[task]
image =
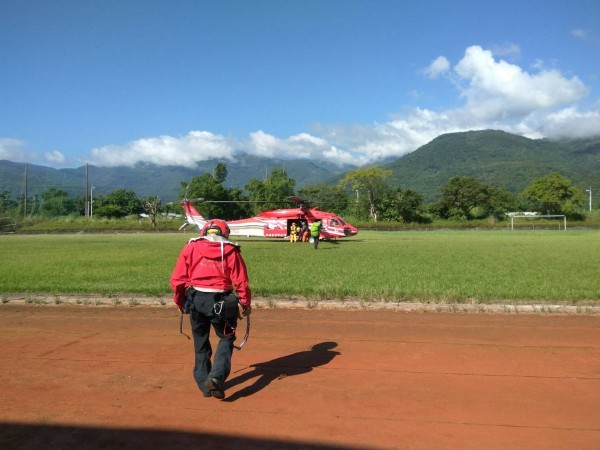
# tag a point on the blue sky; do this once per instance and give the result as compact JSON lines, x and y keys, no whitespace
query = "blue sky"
{"x":116,"y":82}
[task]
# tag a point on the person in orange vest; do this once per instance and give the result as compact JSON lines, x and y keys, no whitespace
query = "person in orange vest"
{"x":304,"y":232}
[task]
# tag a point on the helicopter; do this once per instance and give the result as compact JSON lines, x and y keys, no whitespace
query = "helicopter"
{"x":275,"y":223}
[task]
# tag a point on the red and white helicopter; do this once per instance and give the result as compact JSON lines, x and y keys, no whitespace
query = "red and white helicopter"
{"x":276,"y":223}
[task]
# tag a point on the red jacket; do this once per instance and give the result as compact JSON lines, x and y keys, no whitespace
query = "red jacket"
{"x":213,"y":265}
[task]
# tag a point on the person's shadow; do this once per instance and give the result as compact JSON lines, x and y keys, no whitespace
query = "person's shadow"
{"x":286,"y":366}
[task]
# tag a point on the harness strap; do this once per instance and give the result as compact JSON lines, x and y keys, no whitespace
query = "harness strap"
{"x":246,"y":336}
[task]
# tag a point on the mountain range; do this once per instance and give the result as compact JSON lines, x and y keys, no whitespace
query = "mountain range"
{"x":493,"y":157}
{"x":151,"y":180}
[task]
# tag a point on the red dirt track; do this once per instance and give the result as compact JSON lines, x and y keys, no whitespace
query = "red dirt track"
{"x":86,"y":377}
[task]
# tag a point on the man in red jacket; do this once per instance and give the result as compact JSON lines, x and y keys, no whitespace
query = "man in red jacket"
{"x":207,"y":270}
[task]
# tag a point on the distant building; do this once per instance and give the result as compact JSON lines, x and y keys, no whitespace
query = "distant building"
{"x":522,"y":213}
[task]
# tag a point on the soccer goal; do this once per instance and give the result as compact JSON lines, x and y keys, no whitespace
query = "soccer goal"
{"x":539,"y":216}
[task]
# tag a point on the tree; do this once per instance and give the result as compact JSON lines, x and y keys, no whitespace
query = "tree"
{"x":210,"y":190}
{"x":371,"y":181}
{"x":151,"y":206}
{"x":28,"y":206}
{"x":7,"y":204}
{"x":239,"y":208}
{"x":220,"y":172}
{"x":403,"y":205}
{"x":56,"y":202}
{"x":460,"y":195}
{"x":554,"y":194}
{"x":500,"y":202}
{"x":272,"y":191}
{"x":325,"y":197}
{"x":218,"y":201}
{"x":467,"y":198}
{"x":119,"y":203}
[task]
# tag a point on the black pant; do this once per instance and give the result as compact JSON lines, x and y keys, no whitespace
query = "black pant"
{"x":202,"y":317}
{"x":315,"y":242}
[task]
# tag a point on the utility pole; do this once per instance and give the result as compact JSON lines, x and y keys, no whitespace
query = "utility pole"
{"x":87,"y":185}
{"x":92,"y":202}
{"x":26,"y":189}
{"x":590,"y":191}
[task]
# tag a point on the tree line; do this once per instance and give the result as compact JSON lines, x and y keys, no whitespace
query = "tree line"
{"x":363,"y":194}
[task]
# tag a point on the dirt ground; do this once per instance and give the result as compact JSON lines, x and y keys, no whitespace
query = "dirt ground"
{"x":118,"y":377}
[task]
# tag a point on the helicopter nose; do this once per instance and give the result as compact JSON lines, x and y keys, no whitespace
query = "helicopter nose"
{"x":350,"y":232}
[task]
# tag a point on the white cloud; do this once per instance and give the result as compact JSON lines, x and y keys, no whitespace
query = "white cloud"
{"x":341,"y":157}
{"x":13,"y":150}
{"x":300,"y":146}
{"x":165,"y":150}
{"x":579,"y":33}
{"x":393,"y":139}
{"x":438,"y":67}
{"x":55,"y":157}
{"x":361,"y":144}
{"x":264,"y":144}
{"x":570,"y":122}
{"x":16,"y":150}
{"x":507,"y":50}
{"x":497,"y":89}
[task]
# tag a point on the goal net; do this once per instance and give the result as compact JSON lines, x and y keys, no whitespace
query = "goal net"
{"x":539,"y":222}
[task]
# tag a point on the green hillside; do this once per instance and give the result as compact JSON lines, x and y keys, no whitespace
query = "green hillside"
{"x":501,"y":159}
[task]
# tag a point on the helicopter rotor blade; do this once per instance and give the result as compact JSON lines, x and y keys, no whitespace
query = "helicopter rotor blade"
{"x":201,"y":200}
{"x":240,"y":201}
{"x":198,"y":200}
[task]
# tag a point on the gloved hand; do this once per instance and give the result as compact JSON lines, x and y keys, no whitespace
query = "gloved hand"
{"x":185,"y":309}
{"x":246,"y":311}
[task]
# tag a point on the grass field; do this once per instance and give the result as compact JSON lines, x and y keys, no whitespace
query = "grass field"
{"x":439,"y":266}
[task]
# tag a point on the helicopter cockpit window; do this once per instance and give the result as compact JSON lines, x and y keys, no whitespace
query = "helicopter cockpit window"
{"x":334,"y":223}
